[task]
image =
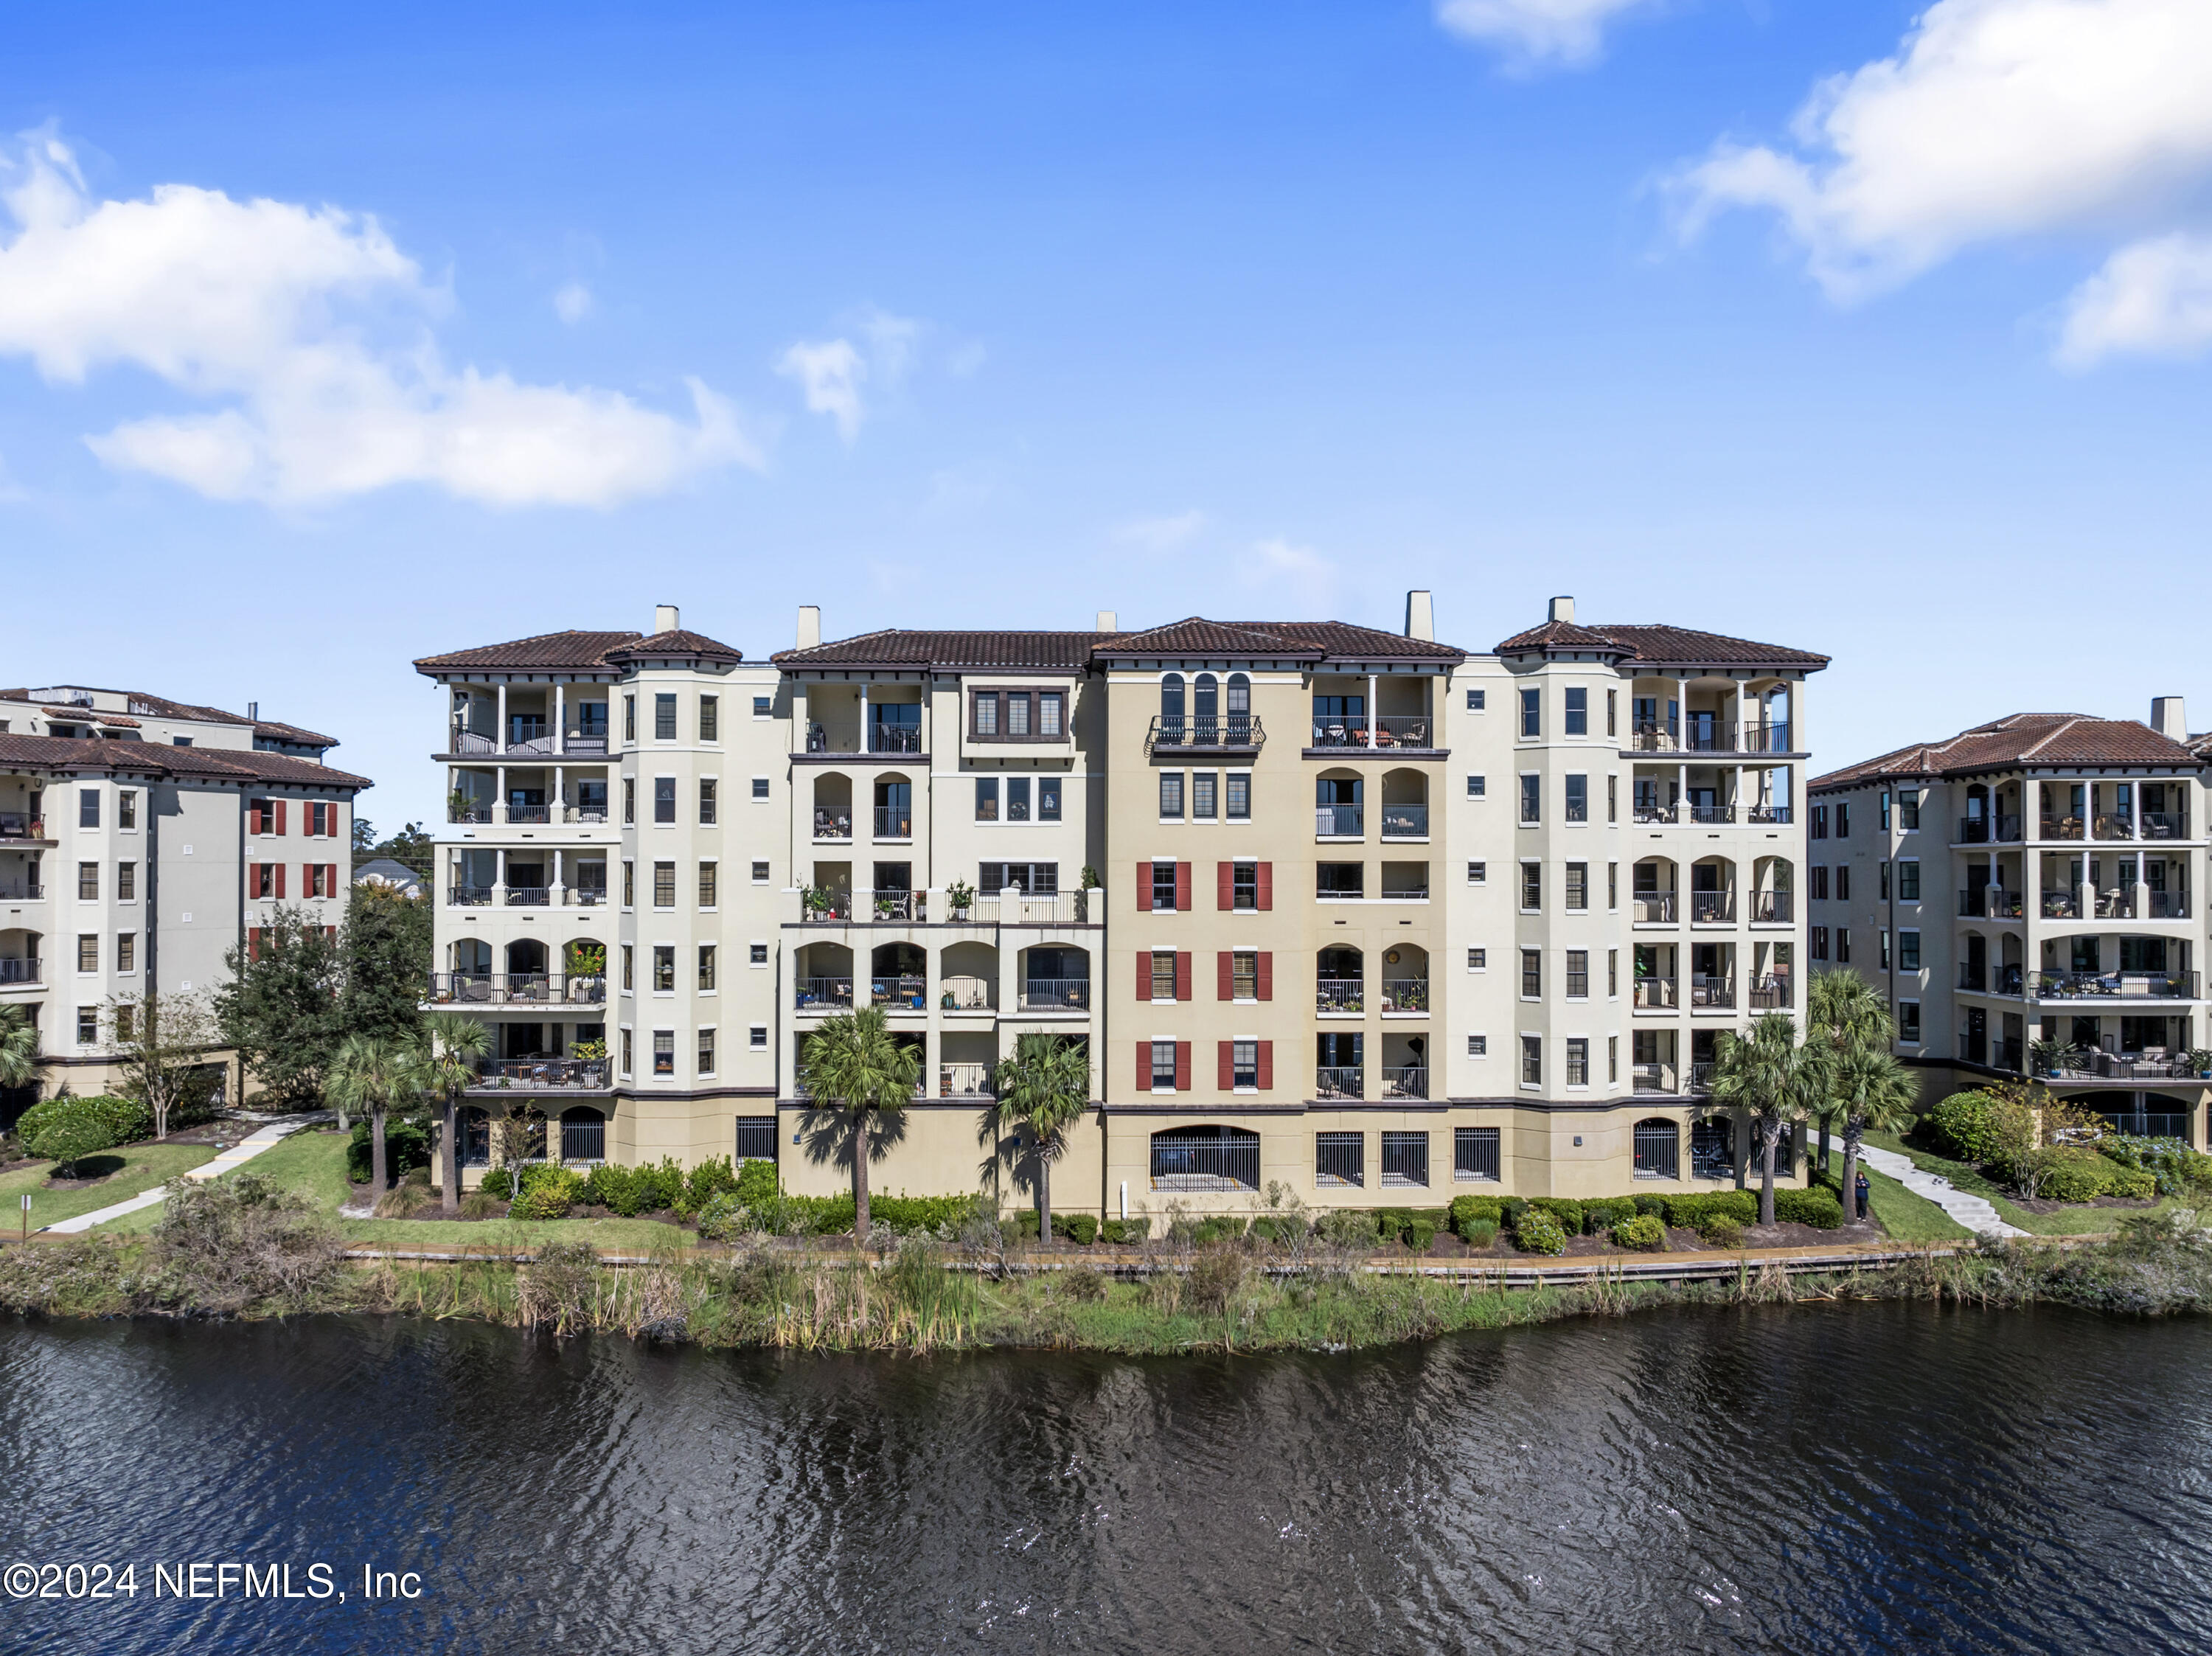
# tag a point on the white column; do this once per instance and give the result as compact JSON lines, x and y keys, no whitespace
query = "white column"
{"x":500,"y":735}
{"x":1374,"y":682}
{"x":499,"y":878}
{"x":559,"y":802}
{"x":864,"y":721}
{"x":559,"y":893}
{"x":499,"y":797}
{"x":1681,"y":787}
{"x":560,"y":717}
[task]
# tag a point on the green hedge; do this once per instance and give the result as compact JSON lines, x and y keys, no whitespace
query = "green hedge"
{"x":123,"y":1120}
{"x":1963,"y":1126}
{"x":1604,"y":1213}
{"x":1643,"y":1233}
{"x":2080,"y":1177}
{"x":1124,"y":1232}
{"x":1468,"y":1211}
{"x":1817,"y":1207}
{"x":1690,"y":1212}
{"x":2136,"y":1184}
{"x":1078,"y":1228}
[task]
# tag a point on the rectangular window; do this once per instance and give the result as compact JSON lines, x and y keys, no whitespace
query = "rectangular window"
{"x":663,"y":716}
{"x":760,"y":787}
{"x":757,"y":953}
{"x":629,"y":885}
{"x":1532,"y":718}
{"x":1612,"y":885}
{"x":664,"y":1051}
{"x":1908,"y":1021}
{"x":87,"y":1025}
{"x":630,"y":800}
{"x":1475,"y":701}
{"x":1820,"y":822}
{"x":1843,"y":819}
{"x":706,"y":965}
{"x":87,"y":808}
{"x":1843,"y":882}
{"x":1578,"y":1061}
{"x":126,"y":951}
{"x":629,"y":968}
{"x":1244,"y":886}
{"x":664,"y":885}
{"x":1819,"y":885}
{"x":630,"y":729}
{"x":1611,"y":710}
{"x":1843,"y":945}
{"x":706,"y":1052}
{"x":1405,"y":1158}
{"x":126,"y":810}
{"x":1163,"y":888}
{"x":1018,"y":799}
{"x":1164,"y":1067}
{"x":1578,"y":799}
{"x":987,"y":798}
{"x":706,"y":803}
{"x":1048,"y":720}
{"x":1577,"y":711}
{"x":1170,"y":795}
{"x":1475,"y":1155}
{"x":763,"y":705}
{"x":1532,"y":974}
{"x":1908,"y":881}
{"x":1578,"y":974}
{"x":1612,"y":798}
{"x":1816,"y":940}
{"x":1532,"y":1060}
{"x":88,"y":882}
{"x":1578,"y":894}
{"x":1163,"y":974}
{"x":1613,"y":972}
{"x":628,"y":1058}
{"x":708,"y":882}
{"x":1244,"y":1065}
{"x":1339,"y":1159}
{"x":710,"y":720}
{"x":756,"y":1038}
{"x":1478,"y":960}
{"x":663,"y":968}
{"x":1884,"y":936}
{"x":1239,"y":800}
{"x":1244,"y":975}
{"x":1884,"y":868}
{"x":664,"y":800}
{"x":1908,"y":951}
{"x":1018,"y":715}
{"x":1048,"y":799}
{"x":1202,"y":795}
{"x":1478,"y":873}
{"x":1477,"y":787}
{"x":1908,"y":809}
{"x":985,"y":712}
{"x":1882,"y":807}
{"x":1532,"y":800}
{"x":87,"y":952}
{"x":760,"y":873}
{"x":1478,"y":1046}
{"x":1532,"y":887}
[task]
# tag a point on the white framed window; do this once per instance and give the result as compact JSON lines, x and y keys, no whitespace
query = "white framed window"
{"x":1475,"y":699}
{"x":1478,"y":788}
{"x":757,"y":953}
{"x":1478,"y":960}
{"x":1478,"y":873}
{"x":757,"y":1038}
{"x":1478,"y":1046}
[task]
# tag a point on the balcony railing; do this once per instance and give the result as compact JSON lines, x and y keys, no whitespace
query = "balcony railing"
{"x":2060,"y":905}
{"x":1217,"y":732}
{"x":2108,"y":825}
{"x":1404,"y":892}
{"x":1055,"y":994}
{"x":1405,"y":994}
{"x":528,"y":896}
{"x":1405,"y":822}
{"x":968,"y":994}
{"x":2164,"y":824}
{"x":469,"y":896}
{"x":518,"y":988}
{"x":2117,"y":904}
{"x":1766,"y":813}
{"x":1389,"y":731}
{"x":823,"y":994}
{"x":833,"y":824}
{"x":1340,"y":995}
{"x":547,"y":1074}
{"x":18,"y":971}
{"x":1650,"y":810}
{"x":1656,"y":993}
{"x":1338,"y":822}
{"x":585,"y":742}
{"x":2168,"y":905}
{"x":1652,"y":1078}
{"x":899,"y":994}
{"x":479,"y":812}
{"x":908,"y":905}
{"x":1341,"y":1081}
{"x":529,"y":813}
{"x":1701,"y":1077}
{"x":21,"y":891}
{"x":1771,"y":994}
{"x":1991,"y":830}
{"x":1771,"y":908}
{"x":465,"y":740}
{"x":1406,"y":1080}
{"x":2122,"y":985}
{"x":1712,"y":908}
{"x":1696,"y":813}
{"x":1712,"y":992}
{"x":1991,"y":903}
{"x":1667,"y":736}
{"x":22,"y":825}
{"x":2059,"y":827}
{"x":1014,"y":907}
{"x":1654,"y":908}
{"x":894,"y":822}
{"x":894,"y":738}
{"x":964,"y":1080}
{"x":588,"y":896}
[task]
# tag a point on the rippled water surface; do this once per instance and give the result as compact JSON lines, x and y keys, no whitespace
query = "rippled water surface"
{"x":1850,"y":1477}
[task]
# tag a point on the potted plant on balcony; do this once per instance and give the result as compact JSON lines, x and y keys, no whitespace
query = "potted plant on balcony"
{"x":2197,"y":1061}
{"x":460,"y":807}
{"x":817,"y":901}
{"x":2050,"y":1058}
{"x":1086,"y":883}
{"x":887,"y":906}
{"x":960,"y":897}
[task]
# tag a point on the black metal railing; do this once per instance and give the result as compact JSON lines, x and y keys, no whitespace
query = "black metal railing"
{"x":469,"y":896}
{"x":1712,"y":992}
{"x":894,"y":822}
{"x":584,"y":1140}
{"x":1771,"y":994}
{"x":1055,"y":994}
{"x":1654,"y":908}
{"x":528,"y":896}
{"x":833,"y":824}
{"x":1200,"y":1161}
{"x":898,"y":992}
{"x":2059,"y":827}
{"x":1405,"y":994}
{"x":1340,"y":995}
{"x":1711,"y":907}
{"x":1767,"y":813}
{"x":1652,"y":811}
{"x":894,"y":738}
{"x":571,"y":1073}
{"x":2121,"y":986}
{"x":1341,"y":1158}
{"x":1389,"y":730}
{"x":1696,"y":813}
{"x":1338,"y":822}
{"x":518,"y":988}
{"x":823,"y":994}
{"x":1772,"y":907}
{"x":2164,"y":904}
{"x":1991,"y":830}
{"x":2164,"y":824}
{"x":1341,"y":1081}
{"x":1405,"y":822}
{"x":1651,"y":1077}
{"x":1653,"y":993}
{"x":18,"y":971}
{"x":1404,"y":1081}
{"x":1222,"y":732}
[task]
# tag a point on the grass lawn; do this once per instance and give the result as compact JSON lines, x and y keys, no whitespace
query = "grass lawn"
{"x":144,"y":1168}
{"x":1907,"y":1217}
{"x":2070,"y":1222}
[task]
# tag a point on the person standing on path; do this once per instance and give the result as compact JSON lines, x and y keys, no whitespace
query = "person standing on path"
{"x":1860,"y":1194}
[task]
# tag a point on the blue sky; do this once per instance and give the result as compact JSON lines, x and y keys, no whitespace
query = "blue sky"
{"x":326,"y":343}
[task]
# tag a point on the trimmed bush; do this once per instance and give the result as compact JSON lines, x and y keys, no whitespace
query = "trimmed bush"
{"x":1565,"y":1209}
{"x":1604,"y":1213}
{"x":1539,"y":1231}
{"x":1643,"y":1233}
{"x":1817,"y":1207}
{"x":1081,"y":1229}
{"x":406,"y":1147}
{"x":126,"y":1119}
{"x":1126,"y":1231}
{"x":758,"y":1187}
{"x":548,"y":1192}
{"x":706,"y":1181}
{"x":498,"y":1182}
{"x":1420,"y":1236}
{"x":1691,"y":1212}
{"x":2135,"y":1184}
{"x":1510,"y":1210}
{"x":723,"y":1218}
{"x":1721,"y":1230}
{"x":2081,"y":1176}
{"x":1963,"y":1127}
{"x":1467,"y":1211}
{"x":1480,"y":1235}
{"x":69,"y":1137}
{"x":1653,"y":1205}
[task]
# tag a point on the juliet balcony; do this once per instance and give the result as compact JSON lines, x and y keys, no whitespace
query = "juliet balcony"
{"x":1224,"y":733}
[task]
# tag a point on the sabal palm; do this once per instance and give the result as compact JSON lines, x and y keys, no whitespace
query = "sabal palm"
{"x":1772,"y":1078}
{"x":453,"y":1043}
{"x":375,"y":1073}
{"x":1042,"y":1089}
{"x":853,"y":1067}
{"x":1844,"y":1013}
{"x":1869,"y":1089}
{"x":19,"y":1048}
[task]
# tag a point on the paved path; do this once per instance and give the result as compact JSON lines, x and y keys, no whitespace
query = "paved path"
{"x":1974,"y":1212}
{"x":237,"y":1155}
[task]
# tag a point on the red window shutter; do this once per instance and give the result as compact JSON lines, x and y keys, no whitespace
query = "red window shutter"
{"x":253,"y":943}
{"x":1266,"y":1062}
{"x":1144,"y":887}
{"x":330,"y":879}
{"x":1265,"y":975}
{"x":1144,"y":975}
{"x":1182,"y":1066}
{"x":280,"y":817}
{"x":1224,"y":983}
{"x":1182,"y":975}
{"x":330,"y":932}
{"x":1266,"y":881}
{"x":1224,"y":886}
{"x":280,"y":872}
{"x":1183,"y":887}
{"x":1144,"y":1066}
{"x":1225,"y":1067}
{"x":253,"y":818}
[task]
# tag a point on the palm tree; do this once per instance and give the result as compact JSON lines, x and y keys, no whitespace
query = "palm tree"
{"x":19,"y":1048}
{"x":453,"y":1043}
{"x":375,"y":1073}
{"x":853,"y":1068}
{"x":1871,"y":1089}
{"x":1044,"y":1088}
{"x":1844,"y":1012}
{"x":1769,"y":1077}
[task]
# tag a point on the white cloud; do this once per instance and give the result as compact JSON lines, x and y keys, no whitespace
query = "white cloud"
{"x":313,"y":328}
{"x":1278,"y":568}
{"x":2152,"y":297}
{"x":1534,"y":32}
{"x":1995,"y":119}
{"x":572,"y":302}
{"x":1161,"y":534}
{"x":829,"y":376}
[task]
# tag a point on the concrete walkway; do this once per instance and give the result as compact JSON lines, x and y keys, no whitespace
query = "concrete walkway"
{"x":229,"y":1161}
{"x":1974,"y":1212}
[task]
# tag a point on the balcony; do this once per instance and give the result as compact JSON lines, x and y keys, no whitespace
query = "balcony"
{"x":1771,"y":908}
{"x":2108,"y":826}
{"x":1709,"y":736}
{"x":18,"y":971}
{"x":1405,"y":996}
{"x":2161,"y":905}
{"x":894,"y":738}
{"x":888,"y":907}
{"x":1771,"y":994}
{"x":21,"y":891}
{"x":528,"y":814}
{"x":1654,"y":908}
{"x":1341,"y":1081}
{"x":2113,"y":985}
{"x":22,"y":825}
{"x":1991,"y":903}
{"x":832,"y":825}
{"x":1652,"y":1078}
{"x":1406,"y":1080}
{"x":1701,"y":1077}
{"x":894,"y":822}
{"x":1715,"y":992}
{"x":2059,"y":827}
{"x":1340,"y":995}
{"x":1696,"y":813}
{"x":822,"y":995}
{"x":965,"y":993}
{"x":1655,"y":994}
{"x":1208,"y":733}
{"x":517,"y":989}
{"x":1390,"y":731}
{"x":1650,"y":810}
{"x":1014,"y":907}
{"x":585,"y":742}
{"x":899,"y":994}
{"x":1405,"y":822}
{"x":1992,"y":830}
{"x":2060,"y":905}
{"x":469,"y":896}
{"x":2163,"y":824}
{"x":1339,"y":821}
{"x":964,"y":1080}
{"x":1712,"y":908}
{"x":543,"y":1075}
{"x":472,"y":812}
{"x":2116,"y":905}
{"x":1766,"y":814}
{"x":528,"y":896}
{"x":1055,"y":995}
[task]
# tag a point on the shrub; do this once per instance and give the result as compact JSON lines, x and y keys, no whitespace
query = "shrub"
{"x":127,"y":1119}
{"x":227,"y":1245}
{"x":1817,"y":1207}
{"x":614,"y":1189}
{"x":1216,"y":1227}
{"x":67,"y":1137}
{"x":1565,"y":1209}
{"x":1540,"y":1231}
{"x":1216,"y":1274}
{"x":548,"y":1192}
{"x":1691,"y":1212}
{"x":1347,"y":1228}
{"x":2078,"y":1176}
{"x":1420,"y":1236}
{"x":1604,"y":1213}
{"x":1480,"y":1235}
{"x":706,"y":1181}
{"x":1467,"y":1211}
{"x":1643,"y":1233}
{"x":723,"y":1218}
{"x":1081,"y":1229}
{"x":1653,"y":1205}
{"x":758,"y":1185}
{"x":1124,"y":1232}
{"x":914,"y":1213}
{"x":1510,"y":1210}
{"x":406,"y":1147}
{"x":1965,"y":1126}
{"x":2135,"y":1184}
{"x":656,"y":1187}
{"x":1721,"y":1230}
{"x":499,"y":1182}
{"x":1018,"y":1232}
{"x":2179,"y":1170}
{"x":483,"y":1204}
{"x":403,"y":1201}
{"x":417,"y":1176}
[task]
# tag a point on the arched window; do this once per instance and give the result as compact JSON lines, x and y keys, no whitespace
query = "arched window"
{"x":1658,"y":1149}
{"x":1171,"y":708}
{"x":1207,"y":712}
{"x":1240,"y":708}
{"x":583,"y":1135}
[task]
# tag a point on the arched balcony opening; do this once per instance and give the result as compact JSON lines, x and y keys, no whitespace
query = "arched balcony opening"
{"x":1206,"y":711}
{"x":833,"y":807}
{"x":1713,"y":891}
{"x":1773,"y":900}
{"x":894,"y":818}
{"x":1055,"y":977}
{"x":1406,"y":979}
{"x":583,"y":1134}
{"x":1172,"y":708}
{"x":822,"y":979}
{"x":898,"y":977}
{"x":969,"y":982}
{"x":1340,"y":981}
{"x":584,"y":971}
{"x":1203,"y":1159}
{"x":1405,"y":805}
{"x":1339,"y":805}
{"x":1655,"y":897}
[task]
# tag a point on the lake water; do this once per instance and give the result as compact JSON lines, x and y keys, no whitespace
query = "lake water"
{"x":1857,"y":1477}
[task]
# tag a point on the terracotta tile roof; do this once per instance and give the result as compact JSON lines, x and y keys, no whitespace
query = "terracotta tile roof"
{"x":678,"y":643}
{"x":1195,"y":635}
{"x":1660,"y":646}
{"x":53,"y":753}
{"x":277,"y":732}
{"x":985,"y":651}
{"x":156,"y":706}
{"x":2022,"y":739}
{"x":571,"y":649}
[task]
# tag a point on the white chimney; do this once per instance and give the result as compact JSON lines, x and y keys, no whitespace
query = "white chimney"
{"x":664,"y":618}
{"x":1109,"y":622}
{"x":1563,"y":608}
{"x":810,"y":625}
{"x":1420,"y":615}
{"x":2167,"y":718}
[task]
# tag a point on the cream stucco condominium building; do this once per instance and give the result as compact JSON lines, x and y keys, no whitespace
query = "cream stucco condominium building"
{"x":1354,"y":911}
